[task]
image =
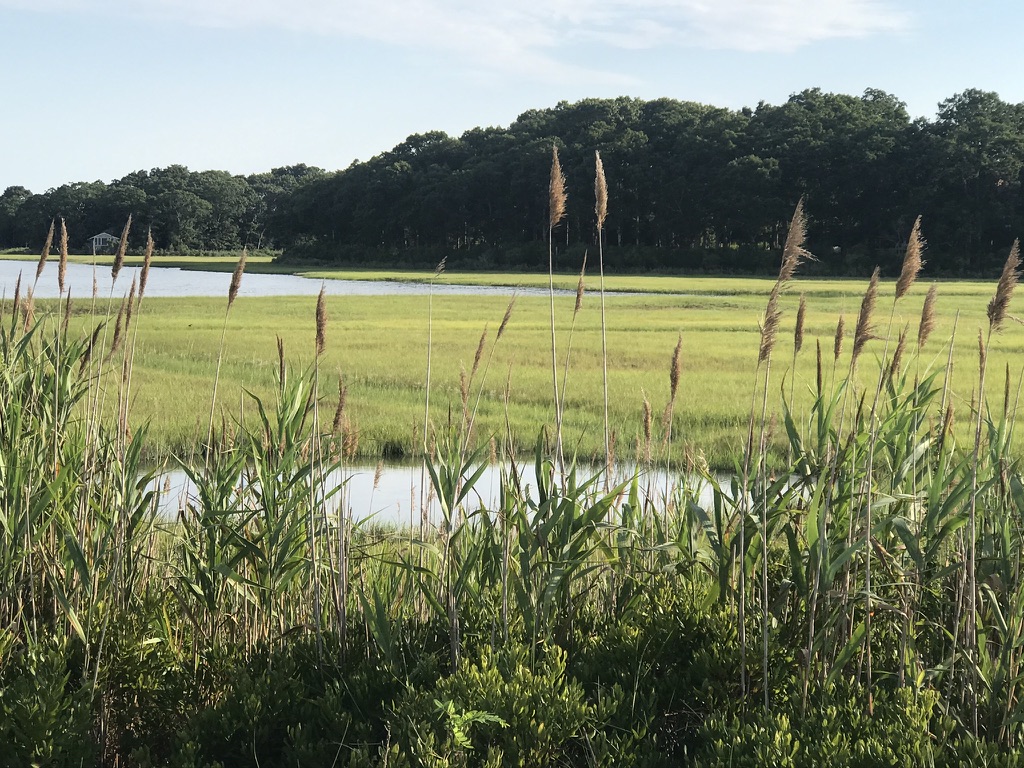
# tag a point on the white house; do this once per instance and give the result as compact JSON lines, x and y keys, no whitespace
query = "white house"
{"x":102,"y":242}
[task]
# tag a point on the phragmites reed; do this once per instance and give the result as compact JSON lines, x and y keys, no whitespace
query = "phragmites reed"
{"x":44,"y":254}
{"x":464,"y":390}
{"x":439,"y":269}
{"x":147,"y":260}
{"x":87,"y":356}
{"x":339,"y":412}
{"x":67,"y":315}
{"x":131,"y":304}
{"x":819,"y":377}
{"x":927,"y":324}
{"x":579,"y":286}
{"x":122,"y":249}
{"x":647,"y":430}
{"x":321,"y":321}
{"x":770,"y":325}
{"x":506,"y":318}
{"x":236,"y":277}
{"x":17,"y":294}
{"x":794,"y":253}
{"x":897,"y":355}
{"x":982,"y":355}
{"x":676,"y":370}
{"x":798,"y":332}
{"x":865,"y":331}
{"x":600,"y":193}
{"x":28,"y":309}
{"x":280,"y":363}
{"x":556,"y":191}
{"x":115,"y":344}
{"x":62,"y":266}
{"x":999,"y":304}
{"x":837,"y":344}
{"x":912,"y":261}
{"x":479,"y":353}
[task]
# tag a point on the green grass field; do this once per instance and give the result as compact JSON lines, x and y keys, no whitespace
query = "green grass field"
{"x":379,"y":345}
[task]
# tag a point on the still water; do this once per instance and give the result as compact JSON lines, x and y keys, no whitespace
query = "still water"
{"x":396,"y":494}
{"x":169,"y":282}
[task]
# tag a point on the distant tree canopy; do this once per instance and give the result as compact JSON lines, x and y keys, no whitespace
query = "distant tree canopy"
{"x":691,"y":186}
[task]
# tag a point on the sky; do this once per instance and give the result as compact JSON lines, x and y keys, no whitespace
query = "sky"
{"x":95,"y":89}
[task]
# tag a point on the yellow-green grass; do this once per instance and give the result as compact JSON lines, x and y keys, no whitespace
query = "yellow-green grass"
{"x":379,"y":343}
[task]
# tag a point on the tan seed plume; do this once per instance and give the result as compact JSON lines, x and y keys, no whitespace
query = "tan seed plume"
{"x":676,"y":370}
{"x":17,"y":295}
{"x":912,"y":261}
{"x":67,"y":315}
{"x":280,"y":363}
{"x":439,"y":269}
{"x":927,"y":324}
{"x":339,"y":412}
{"x":321,"y":321}
{"x":28,"y":310}
{"x":131,"y":305}
{"x":647,"y":430}
{"x":556,"y":191}
{"x":236,"y":277}
{"x":798,"y":332}
{"x":479,"y":353}
{"x":1000,"y":303}
{"x":147,"y":260}
{"x":600,"y":193}
{"x":794,"y":253}
{"x":865,"y":330}
{"x":45,"y":253}
{"x":820,"y":375}
{"x":62,"y":265}
{"x":115,"y":344}
{"x":506,"y":318}
{"x":122,"y":249}
{"x":770,"y":325}
{"x":837,"y":346}
{"x":579,"y":286}
{"x":90,"y":347}
{"x":897,"y":356}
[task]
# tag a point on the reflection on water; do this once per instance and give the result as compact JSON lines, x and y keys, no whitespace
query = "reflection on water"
{"x":168,"y":282}
{"x":395,"y":495}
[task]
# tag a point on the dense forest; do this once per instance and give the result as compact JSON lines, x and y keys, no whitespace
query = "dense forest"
{"x":692,"y":187}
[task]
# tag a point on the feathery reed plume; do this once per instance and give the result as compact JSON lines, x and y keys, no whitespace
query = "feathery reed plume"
{"x":793,"y":253}
{"x":377,"y":474}
{"x":281,"y":373}
{"x":676,"y":370}
{"x":948,"y":420}
{"x":131,"y":304}
{"x":95,"y":284}
{"x":62,"y":265}
{"x":982,"y":357}
{"x":770,"y":325}
{"x":600,"y":192}
{"x":339,"y":412}
{"x":647,"y":430}
{"x":122,"y":248}
{"x":464,"y":390}
{"x":44,"y":254}
{"x":579,"y":286}
{"x":819,"y":377}
{"x":28,"y":309}
{"x":17,"y":295}
{"x":798,"y":332}
{"x":912,"y":262}
{"x":321,"y":321}
{"x":115,"y":343}
{"x":927,"y":324}
{"x":147,"y":260}
{"x":479,"y":353}
{"x":506,"y":318}
{"x":897,"y":355}
{"x":1004,"y":290}
{"x":87,"y":356}
{"x":67,"y":315}
{"x":556,"y":191}
{"x":236,"y":277}
{"x":439,"y":269}
{"x":865,"y":331}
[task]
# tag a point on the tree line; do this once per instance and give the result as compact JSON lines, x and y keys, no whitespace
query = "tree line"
{"x":691,"y":186}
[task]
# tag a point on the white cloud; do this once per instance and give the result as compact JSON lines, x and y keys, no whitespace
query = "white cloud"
{"x":529,"y":36}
